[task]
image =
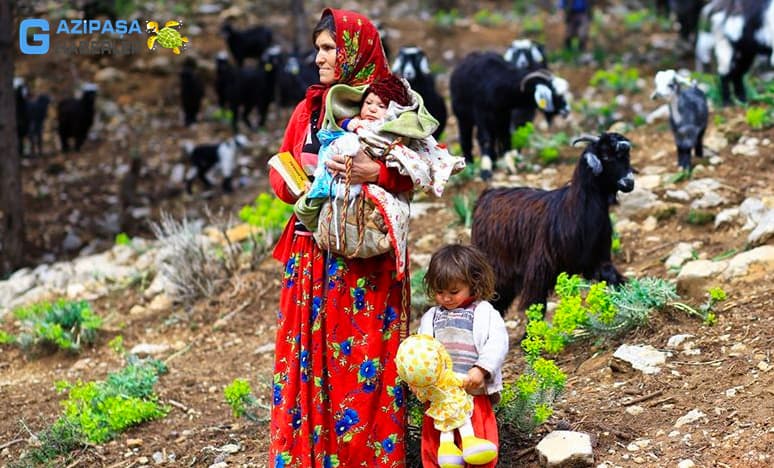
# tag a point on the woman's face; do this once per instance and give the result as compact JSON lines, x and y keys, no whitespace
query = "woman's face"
{"x":326,"y":57}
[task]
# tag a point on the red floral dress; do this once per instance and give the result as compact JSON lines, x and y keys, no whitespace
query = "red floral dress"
{"x":337,"y":401}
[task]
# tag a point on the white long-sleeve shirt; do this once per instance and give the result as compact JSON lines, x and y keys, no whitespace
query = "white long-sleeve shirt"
{"x":490,"y":338}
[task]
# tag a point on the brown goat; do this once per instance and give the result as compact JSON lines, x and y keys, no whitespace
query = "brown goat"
{"x":532,"y":235}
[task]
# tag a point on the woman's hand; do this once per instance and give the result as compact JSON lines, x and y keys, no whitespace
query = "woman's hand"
{"x":364,"y":169}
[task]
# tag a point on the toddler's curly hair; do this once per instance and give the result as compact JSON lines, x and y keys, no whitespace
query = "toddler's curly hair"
{"x":460,"y":263}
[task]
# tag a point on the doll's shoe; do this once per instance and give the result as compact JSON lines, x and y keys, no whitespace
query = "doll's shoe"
{"x":450,"y":456}
{"x":476,"y":451}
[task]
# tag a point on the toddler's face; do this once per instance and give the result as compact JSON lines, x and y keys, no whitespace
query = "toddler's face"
{"x":373,"y":108}
{"x":453,"y":296}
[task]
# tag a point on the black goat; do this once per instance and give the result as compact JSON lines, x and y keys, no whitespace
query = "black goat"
{"x":225,"y":76}
{"x":740,"y":30}
{"x":486,"y":104}
{"x":37,"y":109}
{"x":687,"y":13}
{"x":76,"y":116}
{"x":205,"y":157}
{"x":20,"y":92}
{"x":191,"y":91}
{"x":412,"y":64}
{"x":296,"y":73}
{"x":251,"y":42}
{"x":532,"y":235}
{"x":94,"y":8}
{"x":688,"y":114}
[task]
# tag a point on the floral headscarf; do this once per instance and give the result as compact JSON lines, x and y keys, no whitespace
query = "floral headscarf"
{"x":360,"y":57}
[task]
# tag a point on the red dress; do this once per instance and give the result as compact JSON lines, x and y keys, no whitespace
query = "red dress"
{"x":337,"y":401}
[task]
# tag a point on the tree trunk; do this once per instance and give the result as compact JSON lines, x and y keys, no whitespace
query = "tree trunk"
{"x":11,"y":200}
{"x":301,"y":38}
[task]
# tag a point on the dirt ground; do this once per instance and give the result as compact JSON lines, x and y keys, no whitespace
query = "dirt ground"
{"x":736,"y":430}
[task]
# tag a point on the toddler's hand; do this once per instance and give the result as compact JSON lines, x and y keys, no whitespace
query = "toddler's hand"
{"x":474,"y":380}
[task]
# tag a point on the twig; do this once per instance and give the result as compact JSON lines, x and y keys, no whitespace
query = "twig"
{"x":178,"y":353}
{"x":658,"y":247}
{"x":178,"y":405}
{"x":702,"y":363}
{"x":239,"y":309}
{"x":13,"y":442}
{"x":524,"y":452}
{"x":662,"y":401}
{"x":644,"y":398}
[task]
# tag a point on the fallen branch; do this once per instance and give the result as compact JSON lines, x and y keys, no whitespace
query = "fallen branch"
{"x":178,"y":405}
{"x":13,"y":442}
{"x":643,"y":398}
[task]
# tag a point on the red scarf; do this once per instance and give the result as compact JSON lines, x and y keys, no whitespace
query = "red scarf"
{"x":360,"y":57}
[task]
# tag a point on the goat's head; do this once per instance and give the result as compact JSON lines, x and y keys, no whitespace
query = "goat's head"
{"x":410,"y":63}
{"x":271,"y":58}
{"x":526,"y":54}
{"x":542,"y":84}
{"x":667,"y":82}
{"x":606,"y":158}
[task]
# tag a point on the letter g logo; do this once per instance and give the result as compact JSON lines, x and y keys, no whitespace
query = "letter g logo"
{"x":40,"y":41}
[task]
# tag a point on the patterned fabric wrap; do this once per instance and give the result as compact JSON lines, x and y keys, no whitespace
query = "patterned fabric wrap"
{"x":360,"y":57}
{"x":426,"y":367}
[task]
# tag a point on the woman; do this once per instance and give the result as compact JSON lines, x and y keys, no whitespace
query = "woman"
{"x":337,"y":400}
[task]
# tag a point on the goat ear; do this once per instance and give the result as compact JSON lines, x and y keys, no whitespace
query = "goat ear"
{"x":544,"y":98}
{"x":594,"y":163}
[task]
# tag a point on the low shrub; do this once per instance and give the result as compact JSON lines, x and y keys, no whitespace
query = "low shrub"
{"x":63,"y":324}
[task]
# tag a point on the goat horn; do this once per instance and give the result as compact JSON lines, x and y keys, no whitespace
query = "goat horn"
{"x":537,"y":73}
{"x":585,"y":137}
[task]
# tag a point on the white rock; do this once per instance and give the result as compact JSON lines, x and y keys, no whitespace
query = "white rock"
{"x":230,"y":448}
{"x":160,"y":303}
{"x":565,"y":449}
{"x":268,"y":347}
{"x":699,"y":187}
{"x":649,"y":182}
{"x":635,"y":410}
{"x":764,"y":231}
{"x":686,"y":464}
{"x":678,"y":195}
{"x":632,"y":447}
{"x":691,"y":417}
{"x":761,"y":257}
{"x":709,"y":200}
{"x":637,"y":203}
{"x":150,"y":349}
{"x":716,"y":160}
{"x":680,"y":254}
{"x":137,"y":309}
{"x":753,"y":210}
{"x":764,"y":366}
{"x":726,"y":216}
{"x":676,"y":340}
{"x":219,"y":465}
{"x":731,"y":392}
{"x":643,"y":358}
{"x":696,"y":274}
{"x":109,"y":74}
{"x":650,"y":224}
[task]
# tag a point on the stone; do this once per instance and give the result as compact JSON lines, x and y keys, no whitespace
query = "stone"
{"x":690,"y":418}
{"x":646,"y":359}
{"x":160,"y":303}
{"x":635,"y":410}
{"x":137,"y":309}
{"x":134,"y":443}
{"x":695,"y":275}
{"x":158,"y":458}
{"x":230,"y":448}
{"x":565,"y":449}
{"x":150,"y":349}
{"x":760,"y":257}
{"x":650,"y":224}
{"x":649,"y":182}
{"x":698,"y":187}
{"x":108,"y":74}
{"x":686,"y":464}
{"x":266,"y":348}
{"x":676,"y":340}
{"x":764,"y":366}
{"x":764,"y":230}
{"x":710,"y":199}
{"x":726,"y":216}
{"x":638,"y":203}
{"x":680,"y":254}
{"x":678,"y":195}
{"x":219,"y":465}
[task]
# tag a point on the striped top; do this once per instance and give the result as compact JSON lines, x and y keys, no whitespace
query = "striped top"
{"x":454,"y":328}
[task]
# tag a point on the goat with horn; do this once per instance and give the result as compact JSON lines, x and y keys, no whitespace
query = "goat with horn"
{"x":531,"y":235}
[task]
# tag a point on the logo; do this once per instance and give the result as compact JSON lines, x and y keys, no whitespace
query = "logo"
{"x":167,"y":37}
{"x":40,"y":43}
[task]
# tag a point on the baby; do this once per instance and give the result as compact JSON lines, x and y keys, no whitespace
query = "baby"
{"x":366,"y":126}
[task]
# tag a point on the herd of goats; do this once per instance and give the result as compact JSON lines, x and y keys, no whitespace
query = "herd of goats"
{"x":518,"y":85}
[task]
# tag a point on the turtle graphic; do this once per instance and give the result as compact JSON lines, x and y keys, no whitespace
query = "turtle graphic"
{"x":167,"y":37}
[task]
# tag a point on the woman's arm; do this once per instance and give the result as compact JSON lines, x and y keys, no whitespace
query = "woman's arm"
{"x":365,"y":169}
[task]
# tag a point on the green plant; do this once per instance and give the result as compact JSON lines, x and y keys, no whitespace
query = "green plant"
{"x":95,"y":412}
{"x":615,"y":243}
{"x":520,"y":138}
{"x":419,"y":299}
{"x":618,"y":79}
{"x":463,"y":207}
{"x":758,"y":117}
{"x":724,"y":255}
{"x":268,"y":214}
{"x":699,"y":217}
{"x":123,"y":238}
{"x":6,"y":338}
{"x":532,"y":25}
{"x":485,"y":17}
{"x":223,"y":116}
{"x":64,"y":324}
{"x":446,"y":18}
{"x":239,"y":396}
{"x":705,"y":311}
{"x":634,"y":20}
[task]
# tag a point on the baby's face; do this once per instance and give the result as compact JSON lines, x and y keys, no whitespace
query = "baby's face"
{"x":373,"y":108}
